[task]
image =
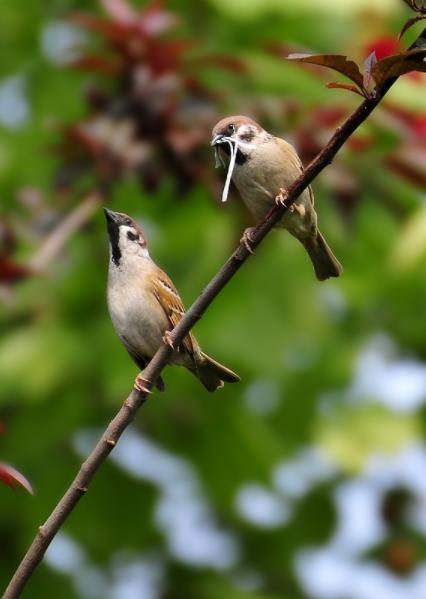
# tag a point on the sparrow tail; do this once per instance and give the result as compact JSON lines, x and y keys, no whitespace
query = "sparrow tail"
{"x":213,"y":374}
{"x":324,"y":261}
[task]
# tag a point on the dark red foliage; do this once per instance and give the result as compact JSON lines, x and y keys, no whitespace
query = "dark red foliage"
{"x":10,"y":271}
{"x":12,"y":478}
{"x":156,"y":117}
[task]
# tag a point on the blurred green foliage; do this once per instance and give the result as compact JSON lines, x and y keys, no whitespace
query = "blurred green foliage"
{"x":297,"y":344}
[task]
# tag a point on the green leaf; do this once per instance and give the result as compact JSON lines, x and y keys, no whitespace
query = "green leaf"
{"x":409,"y":24}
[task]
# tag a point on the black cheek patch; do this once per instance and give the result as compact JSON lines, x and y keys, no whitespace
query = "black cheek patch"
{"x":132,"y":236}
{"x":240,"y":158}
{"x":113,"y":232}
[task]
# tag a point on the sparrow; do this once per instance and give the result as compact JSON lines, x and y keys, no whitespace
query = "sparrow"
{"x":262,"y":167}
{"x":144,"y":305}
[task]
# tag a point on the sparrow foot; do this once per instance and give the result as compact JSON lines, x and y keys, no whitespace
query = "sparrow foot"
{"x":282,"y":197}
{"x":247,"y":240}
{"x":167,"y":340}
{"x":142,"y":384}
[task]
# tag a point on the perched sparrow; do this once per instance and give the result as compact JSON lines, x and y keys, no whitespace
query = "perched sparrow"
{"x":262,"y":167}
{"x":144,"y":305}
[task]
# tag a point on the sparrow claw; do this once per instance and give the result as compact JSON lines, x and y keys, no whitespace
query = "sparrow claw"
{"x":281,"y":198}
{"x":167,"y":340}
{"x":142,"y":384}
{"x":246,"y":239}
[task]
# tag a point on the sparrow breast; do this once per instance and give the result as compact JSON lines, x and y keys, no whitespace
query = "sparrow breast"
{"x":137,"y":318}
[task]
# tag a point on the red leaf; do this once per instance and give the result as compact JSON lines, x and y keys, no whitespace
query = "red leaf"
{"x":337,"y":62}
{"x":11,"y":477}
{"x":347,"y":86}
{"x":2,"y":427}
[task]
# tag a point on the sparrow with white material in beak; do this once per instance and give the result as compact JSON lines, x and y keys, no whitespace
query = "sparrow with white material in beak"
{"x":144,"y":305}
{"x":263,"y":167}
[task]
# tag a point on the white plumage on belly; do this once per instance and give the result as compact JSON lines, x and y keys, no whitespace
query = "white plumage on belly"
{"x":131,"y":307}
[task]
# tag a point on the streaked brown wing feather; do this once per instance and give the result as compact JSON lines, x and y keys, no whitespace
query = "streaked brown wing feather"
{"x":292,"y":155}
{"x":170,"y":301}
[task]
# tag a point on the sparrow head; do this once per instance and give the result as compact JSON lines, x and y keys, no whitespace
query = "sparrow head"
{"x":240,"y":131}
{"x":126,"y":237}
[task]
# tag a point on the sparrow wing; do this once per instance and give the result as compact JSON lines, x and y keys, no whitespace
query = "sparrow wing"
{"x":170,"y":301}
{"x":292,"y":156}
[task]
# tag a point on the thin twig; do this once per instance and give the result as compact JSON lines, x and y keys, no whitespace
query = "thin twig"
{"x":80,"y":484}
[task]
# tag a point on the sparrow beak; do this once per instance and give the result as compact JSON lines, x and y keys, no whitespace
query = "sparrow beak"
{"x":217,"y":139}
{"x":111,"y":217}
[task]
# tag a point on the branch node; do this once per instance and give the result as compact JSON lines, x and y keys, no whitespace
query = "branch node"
{"x":111,"y":442}
{"x":82,"y":490}
{"x":247,"y":239}
{"x":142,"y":385}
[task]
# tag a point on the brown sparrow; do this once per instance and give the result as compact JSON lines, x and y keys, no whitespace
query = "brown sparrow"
{"x":262,"y":167}
{"x":144,"y":305}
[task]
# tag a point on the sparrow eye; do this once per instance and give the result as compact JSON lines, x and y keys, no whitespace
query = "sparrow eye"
{"x":231,"y":128}
{"x":132,"y":235}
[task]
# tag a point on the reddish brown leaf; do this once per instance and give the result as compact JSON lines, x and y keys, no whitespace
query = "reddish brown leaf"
{"x":7,"y":238}
{"x":10,"y":272}
{"x":2,"y":427}
{"x":99,"y":25}
{"x":410,"y":23}
{"x":337,"y":62}
{"x":409,"y":162}
{"x":399,"y":64}
{"x":97,"y":64}
{"x":11,"y":477}
{"x":347,"y":86}
{"x":229,"y":63}
{"x":359,"y":143}
{"x":416,"y":6}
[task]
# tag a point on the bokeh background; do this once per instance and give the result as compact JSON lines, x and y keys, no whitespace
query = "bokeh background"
{"x":308,"y":479}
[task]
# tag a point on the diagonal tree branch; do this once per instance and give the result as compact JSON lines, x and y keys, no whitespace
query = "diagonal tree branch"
{"x":126,"y":414}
